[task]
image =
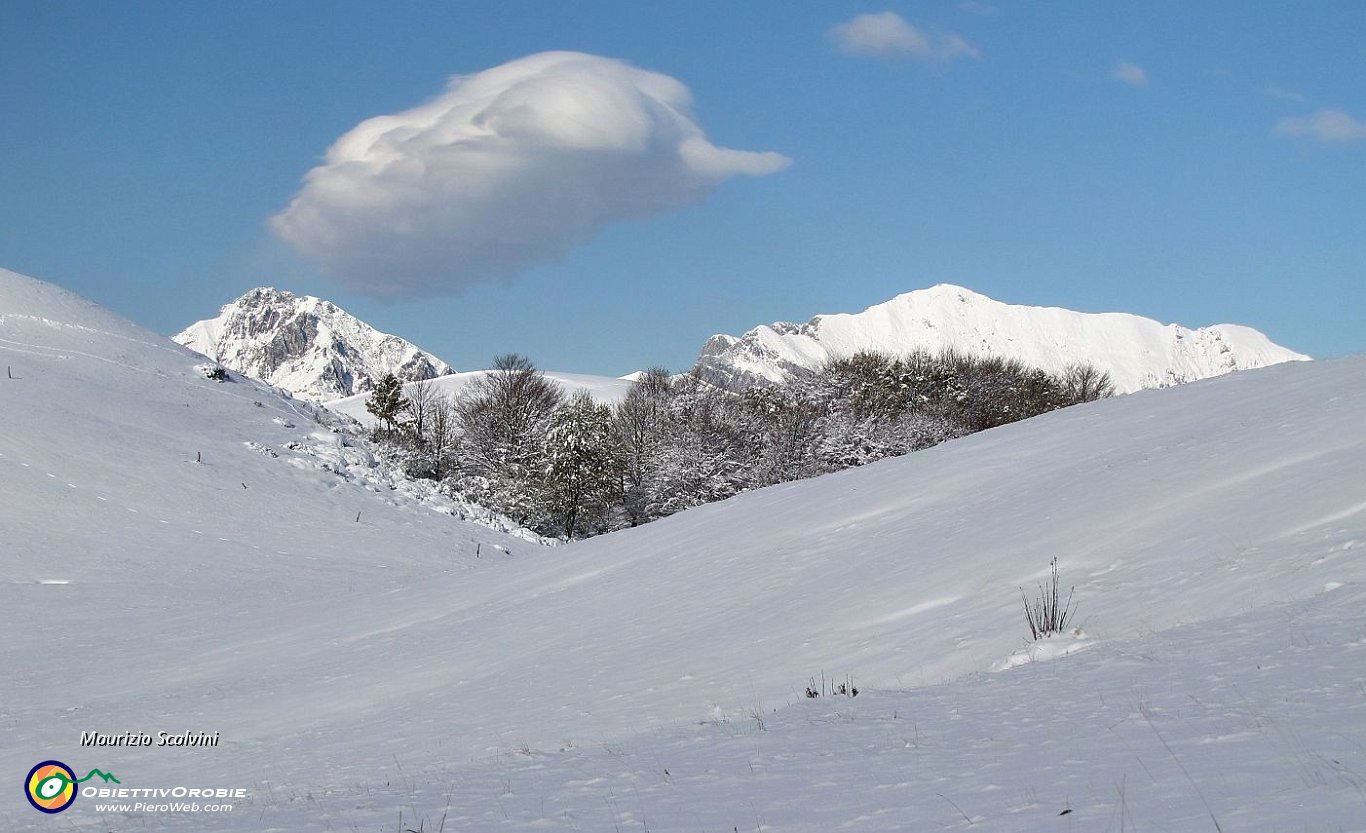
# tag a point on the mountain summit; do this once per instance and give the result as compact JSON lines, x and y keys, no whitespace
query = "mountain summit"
{"x":1137,"y":352}
{"x":306,"y":345}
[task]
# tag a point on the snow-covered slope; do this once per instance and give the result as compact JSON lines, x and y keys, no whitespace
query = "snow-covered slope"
{"x":122,"y":466}
{"x":1137,"y":352}
{"x":306,"y":345}
{"x":384,"y":675}
{"x":604,"y":389}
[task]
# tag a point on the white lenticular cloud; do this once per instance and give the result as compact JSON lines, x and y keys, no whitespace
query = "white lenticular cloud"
{"x":888,"y":35}
{"x":1325,"y":125}
{"x":507,"y":168}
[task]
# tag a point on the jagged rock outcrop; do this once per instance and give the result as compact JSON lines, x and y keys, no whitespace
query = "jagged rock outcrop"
{"x":306,"y":345}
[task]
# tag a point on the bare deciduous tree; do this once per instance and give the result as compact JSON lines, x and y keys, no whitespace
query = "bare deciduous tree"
{"x":503,"y":415}
{"x":639,"y":422}
{"x":422,"y":402}
{"x":1087,"y":383}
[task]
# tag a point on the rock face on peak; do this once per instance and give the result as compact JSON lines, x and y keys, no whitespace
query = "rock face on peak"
{"x":1137,"y":352}
{"x":306,"y":345}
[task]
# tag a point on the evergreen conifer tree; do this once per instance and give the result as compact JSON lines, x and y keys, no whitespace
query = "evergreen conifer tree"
{"x":386,"y":402}
{"x":582,"y":466}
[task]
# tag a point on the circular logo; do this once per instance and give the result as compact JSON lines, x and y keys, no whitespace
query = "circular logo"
{"x":50,"y":786}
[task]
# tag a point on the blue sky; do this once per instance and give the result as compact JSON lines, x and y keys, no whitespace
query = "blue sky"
{"x":1193,"y":162}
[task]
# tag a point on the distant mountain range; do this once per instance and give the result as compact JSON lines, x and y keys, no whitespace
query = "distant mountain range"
{"x":306,"y":345}
{"x":318,"y":351}
{"x":1137,"y":352}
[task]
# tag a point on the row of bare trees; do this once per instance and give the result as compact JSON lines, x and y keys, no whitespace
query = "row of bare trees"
{"x":571,"y":467}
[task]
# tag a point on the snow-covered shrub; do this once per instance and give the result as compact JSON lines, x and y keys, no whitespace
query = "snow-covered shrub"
{"x":214,"y":371}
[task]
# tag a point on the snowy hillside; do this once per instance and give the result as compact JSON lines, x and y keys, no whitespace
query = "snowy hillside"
{"x":164,"y":572}
{"x":306,"y":345}
{"x":1137,"y":352}
{"x":605,"y":389}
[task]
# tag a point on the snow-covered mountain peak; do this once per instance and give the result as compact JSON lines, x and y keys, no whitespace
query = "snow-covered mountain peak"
{"x":306,"y":345}
{"x":1137,"y":352}
{"x":940,"y":297}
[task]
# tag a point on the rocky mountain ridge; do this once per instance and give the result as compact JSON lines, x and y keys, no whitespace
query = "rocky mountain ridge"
{"x":306,"y":345}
